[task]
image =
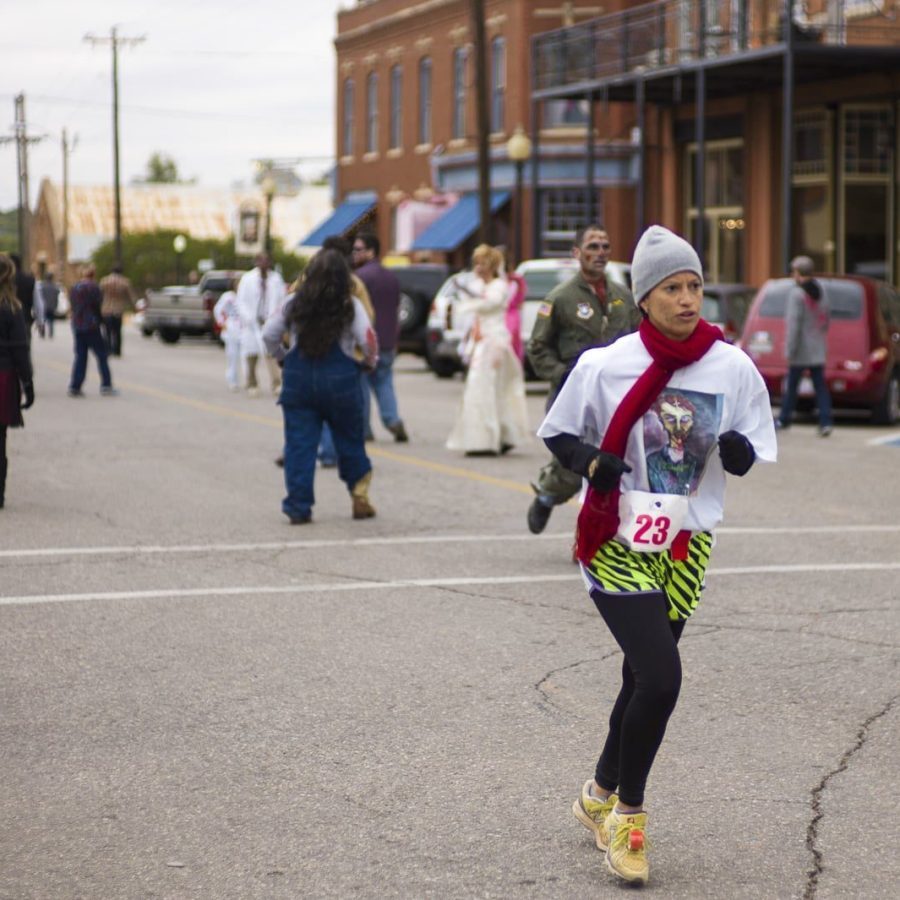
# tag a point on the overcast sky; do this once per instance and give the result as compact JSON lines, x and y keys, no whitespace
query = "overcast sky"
{"x":215,"y":84}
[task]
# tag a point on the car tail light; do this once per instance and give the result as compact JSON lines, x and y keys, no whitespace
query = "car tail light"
{"x":730,"y":332}
{"x":878,"y":357}
{"x":209,"y":301}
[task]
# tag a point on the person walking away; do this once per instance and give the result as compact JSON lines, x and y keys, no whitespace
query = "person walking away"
{"x":321,"y":383}
{"x":807,"y":318}
{"x":384,"y":291}
{"x":228,"y":318}
{"x":118,"y":295}
{"x":492,"y":416}
{"x":643,"y":546}
{"x":25,"y":292}
{"x":517,"y":291}
{"x":327,"y":453}
{"x":48,"y":293}
{"x":261,"y":293}
{"x":16,"y":378}
{"x":86,"y":303}
{"x":588,"y":310}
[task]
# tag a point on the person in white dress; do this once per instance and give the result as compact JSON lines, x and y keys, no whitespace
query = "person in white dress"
{"x":492,"y":416}
{"x":228,"y":318}
{"x":260,"y":294}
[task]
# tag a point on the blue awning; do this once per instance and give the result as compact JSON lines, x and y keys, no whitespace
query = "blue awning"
{"x":345,"y":216}
{"x":452,"y":228}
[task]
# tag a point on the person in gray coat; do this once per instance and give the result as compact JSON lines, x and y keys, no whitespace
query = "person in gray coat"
{"x":806,"y":322}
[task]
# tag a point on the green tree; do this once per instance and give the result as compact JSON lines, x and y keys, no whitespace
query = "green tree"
{"x":150,"y":261}
{"x":161,"y":169}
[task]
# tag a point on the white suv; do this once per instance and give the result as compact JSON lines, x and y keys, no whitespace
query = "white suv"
{"x":446,"y":327}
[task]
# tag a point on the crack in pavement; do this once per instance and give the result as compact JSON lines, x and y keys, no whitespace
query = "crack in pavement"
{"x":812,"y":830}
{"x":548,"y":700}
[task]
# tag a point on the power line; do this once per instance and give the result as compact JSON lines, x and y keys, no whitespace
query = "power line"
{"x":22,"y":140}
{"x":115,"y":41}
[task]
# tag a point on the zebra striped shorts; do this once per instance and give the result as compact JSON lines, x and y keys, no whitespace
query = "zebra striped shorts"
{"x":617,"y":570}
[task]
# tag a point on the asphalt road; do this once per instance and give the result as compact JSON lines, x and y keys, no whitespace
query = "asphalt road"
{"x":198,"y":700}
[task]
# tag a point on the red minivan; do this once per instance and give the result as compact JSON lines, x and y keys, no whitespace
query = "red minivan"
{"x":863,"y":364}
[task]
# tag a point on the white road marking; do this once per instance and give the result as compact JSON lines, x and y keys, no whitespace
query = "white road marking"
{"x":893,"y":439}
{"x":405,"y":540}
{"x":174,"y":593}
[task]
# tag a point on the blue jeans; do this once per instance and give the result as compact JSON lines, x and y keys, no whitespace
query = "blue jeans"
{"x":327,"y":453}
{"x":823,"y":398}
{"x":314,"y":392}
{"x":381,"y":381}
{"x":84,"y":341}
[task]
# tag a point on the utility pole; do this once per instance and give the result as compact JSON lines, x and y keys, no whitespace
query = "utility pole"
{"x":483,"y":119}
{"x":22,"y":140}
{"x":64,"y":238}
{"x":114,"y":40}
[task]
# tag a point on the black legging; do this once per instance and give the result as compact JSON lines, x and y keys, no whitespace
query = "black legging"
{"x":651,"y":679}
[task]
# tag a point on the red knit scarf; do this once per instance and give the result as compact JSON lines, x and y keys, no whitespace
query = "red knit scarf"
{"x":598,"y":520}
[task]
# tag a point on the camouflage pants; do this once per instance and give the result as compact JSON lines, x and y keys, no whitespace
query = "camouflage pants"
{"x":557,"y":483}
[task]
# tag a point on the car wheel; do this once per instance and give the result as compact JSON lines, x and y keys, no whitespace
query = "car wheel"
{"x":169,"y":335}
{"x":887,"y":410}
{"x":147,"y":332}
{"x":408,"y":313}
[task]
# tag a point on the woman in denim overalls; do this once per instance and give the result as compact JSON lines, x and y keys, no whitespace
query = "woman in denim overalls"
{"x":321,"y":383}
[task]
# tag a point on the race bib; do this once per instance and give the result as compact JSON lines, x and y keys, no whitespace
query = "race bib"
{"x":648,"y":523}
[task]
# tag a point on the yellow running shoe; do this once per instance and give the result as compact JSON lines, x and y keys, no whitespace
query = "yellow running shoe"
{"x":592,"y":813}
{"x":626,"y":856}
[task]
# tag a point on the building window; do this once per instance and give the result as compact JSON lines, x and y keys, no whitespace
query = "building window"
{"x":459,"y":92}
{"x":565,"y":113}
{"x":866,"y":151}
{"x":498,"y":85}
{"x":563,"y":212}
{"x":347,"y":130}
{"x":396,"y":107}
{"x":811,"y":143}
{"x":424,"y":135}
{"x":372,"y":113}
{"x":867,"y":141}
{"x":724,"y":229}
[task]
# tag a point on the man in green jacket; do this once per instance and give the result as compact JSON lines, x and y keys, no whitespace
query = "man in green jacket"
{"x":588,"y":310}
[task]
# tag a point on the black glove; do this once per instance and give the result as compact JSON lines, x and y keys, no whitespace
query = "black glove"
{"x":737,"y":453}
{"x":28,"y":390}
{"x":604,"y":470}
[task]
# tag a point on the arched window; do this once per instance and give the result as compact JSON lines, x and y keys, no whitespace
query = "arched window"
{"x":372,"y":113}
{"x":459,"y":92}
{"x":347,"y":127}
{"x":396,"y":107}
{"x":424,"y":132}
{"x":498,"y":85}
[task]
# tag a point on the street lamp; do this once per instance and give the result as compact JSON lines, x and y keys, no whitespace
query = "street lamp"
{"x":178,"y":245}
{"x":518,"y":149}
{"x":268,"y":188}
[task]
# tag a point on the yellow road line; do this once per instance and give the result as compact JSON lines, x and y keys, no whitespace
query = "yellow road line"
{"x":393,"y":456}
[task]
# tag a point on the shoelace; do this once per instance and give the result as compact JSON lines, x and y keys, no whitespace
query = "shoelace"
{"x":630,"y":837}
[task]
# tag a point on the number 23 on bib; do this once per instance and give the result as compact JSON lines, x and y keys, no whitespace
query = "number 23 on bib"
{"x":648,"y":523}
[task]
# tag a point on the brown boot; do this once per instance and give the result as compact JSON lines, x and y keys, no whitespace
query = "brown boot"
{"x":362,"y":509}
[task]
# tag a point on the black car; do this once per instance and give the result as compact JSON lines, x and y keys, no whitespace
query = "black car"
{"x":419,"y":282}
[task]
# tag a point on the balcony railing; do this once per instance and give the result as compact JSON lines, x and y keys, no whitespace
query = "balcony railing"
{"x":673,"y":32}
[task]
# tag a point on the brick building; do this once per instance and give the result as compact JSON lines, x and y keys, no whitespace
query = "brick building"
{"x":795,"y":129}
{"x":406,"y":132}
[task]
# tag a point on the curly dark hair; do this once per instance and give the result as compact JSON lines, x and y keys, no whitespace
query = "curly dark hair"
{"x":322,"y":307}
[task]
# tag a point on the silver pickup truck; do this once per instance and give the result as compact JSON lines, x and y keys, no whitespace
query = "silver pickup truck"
{"x":174,"y":311}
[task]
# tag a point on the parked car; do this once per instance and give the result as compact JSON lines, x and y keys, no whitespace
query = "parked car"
{"x":419,"y":282}
{"x":726,"y":305}
{"x":862,"y":368}
{"x":446,"y":327}
{"x":174,"y":311}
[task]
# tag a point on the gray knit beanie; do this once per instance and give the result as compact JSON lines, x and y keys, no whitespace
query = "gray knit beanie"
{"x":659,"y":254}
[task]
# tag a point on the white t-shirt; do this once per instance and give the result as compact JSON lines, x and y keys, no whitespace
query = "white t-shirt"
{"x":673,"y":448}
